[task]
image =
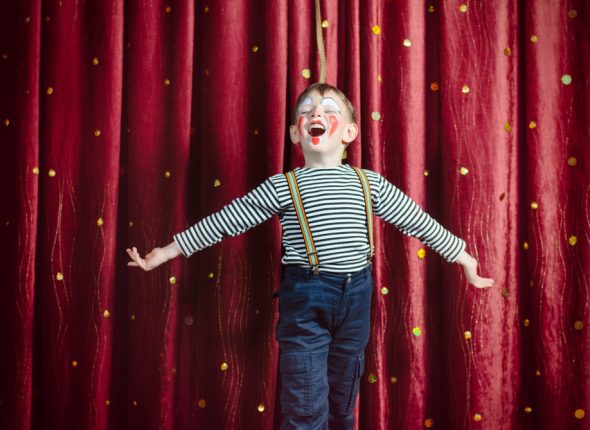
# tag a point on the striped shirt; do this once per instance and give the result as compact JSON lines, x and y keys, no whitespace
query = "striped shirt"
{"x":334,"y":203}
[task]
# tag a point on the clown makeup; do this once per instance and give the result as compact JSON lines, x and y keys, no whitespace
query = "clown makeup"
{"x":317,"y":128}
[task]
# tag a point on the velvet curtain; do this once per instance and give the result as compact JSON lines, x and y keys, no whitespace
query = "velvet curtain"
{"x":123,"y":122}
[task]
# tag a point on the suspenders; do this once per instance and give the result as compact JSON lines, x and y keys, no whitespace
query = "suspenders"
{"x":307,"y":237}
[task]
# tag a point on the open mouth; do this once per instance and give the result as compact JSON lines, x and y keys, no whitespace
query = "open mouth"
{"x":316,"y":130}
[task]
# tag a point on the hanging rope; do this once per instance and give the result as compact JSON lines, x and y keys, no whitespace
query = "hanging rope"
{"x":320,"y":41}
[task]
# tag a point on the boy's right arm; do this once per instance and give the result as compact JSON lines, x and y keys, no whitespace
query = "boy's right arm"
{"x":240,"y":215}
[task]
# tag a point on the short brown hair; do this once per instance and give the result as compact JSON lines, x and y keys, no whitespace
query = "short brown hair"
{"x":322,"y":88}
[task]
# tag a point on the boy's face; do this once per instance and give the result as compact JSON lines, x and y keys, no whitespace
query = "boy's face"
{"x":323,"y":125}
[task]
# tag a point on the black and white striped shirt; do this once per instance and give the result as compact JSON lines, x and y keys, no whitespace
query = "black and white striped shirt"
{"x":335,"y":207}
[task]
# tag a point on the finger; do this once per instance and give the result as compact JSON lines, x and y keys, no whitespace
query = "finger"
{"x":132,"y":263}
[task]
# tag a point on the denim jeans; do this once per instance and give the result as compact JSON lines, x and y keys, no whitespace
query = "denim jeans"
{"x":323,"y":329}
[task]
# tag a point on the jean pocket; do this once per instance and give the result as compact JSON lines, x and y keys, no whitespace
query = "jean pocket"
{"x":345,"y":394}
{"x":294,"y":368}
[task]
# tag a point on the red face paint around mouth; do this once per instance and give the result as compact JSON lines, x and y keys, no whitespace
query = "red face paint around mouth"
{"x":333,"y":124}
{"x":315,"y":140}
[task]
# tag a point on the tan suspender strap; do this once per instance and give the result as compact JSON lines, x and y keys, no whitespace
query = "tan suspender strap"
{"x":368,"y":207}
{"x":309,"y":245}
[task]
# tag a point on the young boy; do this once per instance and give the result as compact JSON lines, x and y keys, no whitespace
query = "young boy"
{"x":325,"y":209}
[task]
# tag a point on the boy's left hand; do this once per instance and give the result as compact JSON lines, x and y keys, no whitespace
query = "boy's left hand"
{"x":470,"y":268}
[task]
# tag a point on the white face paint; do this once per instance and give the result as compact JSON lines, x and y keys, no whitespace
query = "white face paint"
{"x":329,"y":101}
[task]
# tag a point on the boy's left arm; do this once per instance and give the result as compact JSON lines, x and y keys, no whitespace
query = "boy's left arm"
{"x":395,"y":207}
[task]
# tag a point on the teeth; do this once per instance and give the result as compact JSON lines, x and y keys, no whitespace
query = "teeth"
{"x":317,"y":126}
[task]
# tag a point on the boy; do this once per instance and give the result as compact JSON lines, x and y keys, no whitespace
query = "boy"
{"x":325,"y":209}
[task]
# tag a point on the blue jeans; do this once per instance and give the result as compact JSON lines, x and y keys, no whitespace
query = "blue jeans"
{"x":323,"y":329}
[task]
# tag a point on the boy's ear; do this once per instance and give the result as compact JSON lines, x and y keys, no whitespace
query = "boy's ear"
{"x":350,"y":133}
{"x":294,"y":134}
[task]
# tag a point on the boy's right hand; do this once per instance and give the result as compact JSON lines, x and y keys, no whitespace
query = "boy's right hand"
{"x":151,"y":260}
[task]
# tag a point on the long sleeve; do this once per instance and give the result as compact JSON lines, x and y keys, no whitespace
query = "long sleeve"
{"x":397,"y":208}
{"x":240,"y":215}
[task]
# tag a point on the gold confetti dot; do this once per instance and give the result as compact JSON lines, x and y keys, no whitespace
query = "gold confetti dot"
{"x":534,"y":205}
{"x":407,"y":43}
{"x":166,"y":82}
{"x":74,"y":363}
{"x":133,"y":317}
{"x":428,"y":423}
{"x":421,"y":253}
{"x":465,"y":89}
{"x":51,"y":173}
{"x":376,"y":29}
{"x":168,"y":9}
{"x":255,"y":49}
{"x":49,"y":90}
{"x":416,"y":331}
{"x":106,"y":314}
{"x":260,"y":407}
{"x":172,"y":280}
{"x":206,"y":72}
{"x":130,"y":223}
{"x":256,"y":132}
{"x":579,"y":414}
{"x":384,"y":291}
{"x":173,"y":371}
{"x":257,"y":312}
{"x":463,"y":8}
{"x":99,"y":222}
{"x":525,"y":246}
{"x":345,"y":154}
{"x":526,"y":322}
{"x":202,"y":403}
{"x":502,"y":196}
{"x":426,"y":173}
{"x":507,"y":127}
{"x":566,"y":79}
{"x":134,"y":403}
{"x":477,"y":417}
{"x":224,"y":366}
{"x":507,"y":52}
{"x":372,"y":378}
{"x":306,"y":73}
{"x":216,"y":183}
{"x":211,"y":275}
{"x":376,"y":116}
{"x":35,"y":170}
{"x":167,"y":173}
{"x":59,"y":276}
{"x":528,"y":410}
{"x":505,"y":292}
{"x":532,"y":124}
{"x":572,"y":240}
{"x":95,"y":61}
{"x":6,"y":122}
{"x":578,"y":325}
{"x":107,"y":402}
{"x":379,"y":78}
{"x":534,"y":38}
{"x":47,"y":19}
{"x":572,"y":13}
{"x":463,"y":171}
{"x":572,"y":161}
{"x":434,"y":86}
{"x":325,"y":23}
{"x":538,"y":372}
{"x":97,"y":133}
{"x":467,"y":335}
{"x":27,"y":19}
{"x":393,"y":379}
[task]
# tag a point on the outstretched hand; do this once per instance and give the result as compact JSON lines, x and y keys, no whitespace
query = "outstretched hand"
{"x":470,"y":268}
{"x":151,"y":260}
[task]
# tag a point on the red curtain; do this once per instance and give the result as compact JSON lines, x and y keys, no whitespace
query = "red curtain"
{"x":123,"y":123}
